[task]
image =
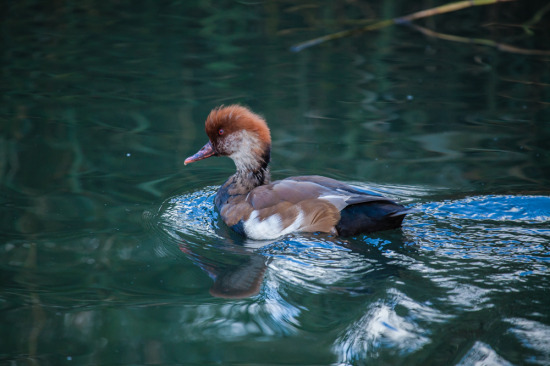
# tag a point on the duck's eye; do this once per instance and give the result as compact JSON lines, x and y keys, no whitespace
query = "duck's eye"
{"x":221,"y":131}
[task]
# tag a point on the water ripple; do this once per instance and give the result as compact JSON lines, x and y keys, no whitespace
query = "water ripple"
{"x":528,"y":209}
{"x":453,"y":257}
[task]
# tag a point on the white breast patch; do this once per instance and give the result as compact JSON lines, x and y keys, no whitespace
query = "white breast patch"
{"x":270,"y":228}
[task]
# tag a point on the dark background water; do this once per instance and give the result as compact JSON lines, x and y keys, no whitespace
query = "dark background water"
{"x":111,"y":249}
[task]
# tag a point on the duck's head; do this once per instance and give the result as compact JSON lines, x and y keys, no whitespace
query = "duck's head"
{"x":238,"y":133}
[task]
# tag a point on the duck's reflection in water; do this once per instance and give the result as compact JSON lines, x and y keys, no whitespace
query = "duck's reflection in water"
{"x":241,"y":277}
{"x":301,"y":263}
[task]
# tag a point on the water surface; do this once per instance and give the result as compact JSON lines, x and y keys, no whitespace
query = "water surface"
{"x":112,"y":251}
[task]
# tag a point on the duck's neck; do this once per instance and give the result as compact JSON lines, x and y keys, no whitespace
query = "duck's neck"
{"x":252,"y":171}
{"x":248,"y":176}
{"x":236,"y":189}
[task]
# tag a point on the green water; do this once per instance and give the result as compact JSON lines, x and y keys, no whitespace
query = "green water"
{"x":111,"y":248}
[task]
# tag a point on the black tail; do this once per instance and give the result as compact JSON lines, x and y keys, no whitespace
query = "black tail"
{"x":369,"y":217}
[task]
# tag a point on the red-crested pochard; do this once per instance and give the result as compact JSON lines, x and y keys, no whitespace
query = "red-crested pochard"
{"x":254,"y":206}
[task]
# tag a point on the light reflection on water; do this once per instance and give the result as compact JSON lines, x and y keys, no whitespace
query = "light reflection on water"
{"x":112,"y":252}
{"x":380,"y":329}
{"x":464,"y":255}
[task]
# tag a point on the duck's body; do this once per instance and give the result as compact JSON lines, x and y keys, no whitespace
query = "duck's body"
{"x":254,"y":206}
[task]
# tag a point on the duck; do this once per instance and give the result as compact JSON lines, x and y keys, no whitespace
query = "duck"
{"x":260,"y":209}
